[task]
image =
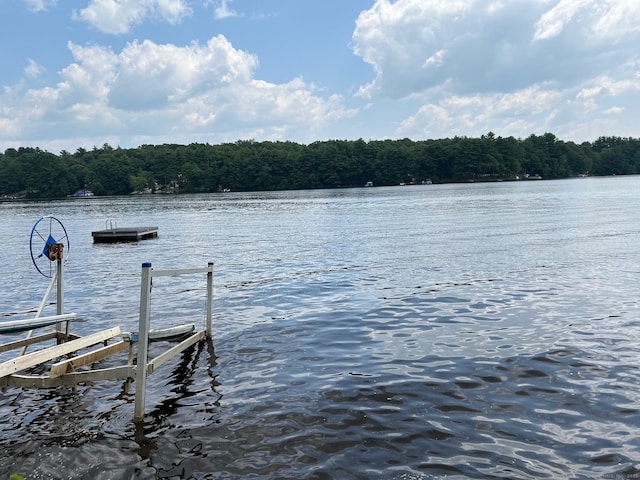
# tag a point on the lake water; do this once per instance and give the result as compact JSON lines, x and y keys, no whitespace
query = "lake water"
{"x":459,"y":331}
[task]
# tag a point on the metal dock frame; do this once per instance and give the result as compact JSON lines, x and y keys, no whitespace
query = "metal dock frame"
{"x":144,"y":367}
{"x":65,"y":372}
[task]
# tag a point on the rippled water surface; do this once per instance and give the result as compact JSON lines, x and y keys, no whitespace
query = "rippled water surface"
{"x":458,"y":331}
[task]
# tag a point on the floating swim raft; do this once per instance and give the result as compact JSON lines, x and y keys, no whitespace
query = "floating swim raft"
{"x":124,"y":234}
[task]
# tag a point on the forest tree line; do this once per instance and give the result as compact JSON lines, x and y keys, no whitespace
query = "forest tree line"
{"x":247,"y":165}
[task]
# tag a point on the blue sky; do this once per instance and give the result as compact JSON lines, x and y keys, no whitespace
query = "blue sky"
{"x":131,"y":72}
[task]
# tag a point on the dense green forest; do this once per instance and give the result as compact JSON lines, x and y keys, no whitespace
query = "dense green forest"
{"x":253,"y":166}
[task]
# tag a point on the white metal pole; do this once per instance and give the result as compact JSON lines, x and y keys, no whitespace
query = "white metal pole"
{"x":43,"y":303}
{"x":209,"y":299}
{"x":143,"y":341}
{"x":60,"y":291}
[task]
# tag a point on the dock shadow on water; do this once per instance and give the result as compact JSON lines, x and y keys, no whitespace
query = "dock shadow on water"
{"x":468,"y":331}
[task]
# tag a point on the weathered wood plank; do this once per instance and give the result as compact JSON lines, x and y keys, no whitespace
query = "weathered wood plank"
{"x":5,"y":347}
{"x":88,"y":358}
{"x":15,"y":365}
{"x":70,"y":379}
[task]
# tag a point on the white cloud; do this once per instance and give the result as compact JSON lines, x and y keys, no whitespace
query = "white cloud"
{"x":154,"y":76}
{"x":582,"y":113}
{"x":601,"y":89}
{"x":192,"y":92}
{"x":590,"y":19}
{"x":553,"y":22}
{"x":436,"y":59}
{"x":221,"y":9}
{"x":88,"y":79}
{"x":474,"y":66}
{"x":478,"y":114}
{"x":416,"y":45}
{"x":407,"y":42}
{"x":614,"y":110}
{"x":120,"y":16}
{"x":33,"y":69}
{"x":39,"y":5}
{"x":172,"y":11}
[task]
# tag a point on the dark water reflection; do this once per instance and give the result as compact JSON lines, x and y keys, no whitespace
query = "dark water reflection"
{"x":462,"y":331}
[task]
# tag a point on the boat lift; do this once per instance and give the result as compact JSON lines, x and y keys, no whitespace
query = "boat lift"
{"x":68,"y":370}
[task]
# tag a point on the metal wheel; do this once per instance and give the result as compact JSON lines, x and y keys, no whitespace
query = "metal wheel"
{"x":47,"y":232}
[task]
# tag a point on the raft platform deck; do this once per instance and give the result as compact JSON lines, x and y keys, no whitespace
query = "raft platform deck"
{"x":124,"y":234}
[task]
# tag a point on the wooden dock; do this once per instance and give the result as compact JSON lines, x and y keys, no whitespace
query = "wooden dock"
{"x":126,"y":234}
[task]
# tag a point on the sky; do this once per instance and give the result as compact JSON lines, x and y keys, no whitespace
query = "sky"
{"x":131,"y":72}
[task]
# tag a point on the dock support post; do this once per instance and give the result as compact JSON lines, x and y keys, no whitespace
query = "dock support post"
{"x":60,"y":294}
{"x":209,"y":299}
{"x":143,"y":341}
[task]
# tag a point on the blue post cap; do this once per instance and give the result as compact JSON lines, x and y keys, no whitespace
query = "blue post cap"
{"x":146,"y":265}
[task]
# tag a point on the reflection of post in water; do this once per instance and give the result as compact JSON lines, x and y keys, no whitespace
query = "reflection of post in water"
{"x":182,"y":377}
{"x":211,"y":369}
{"x":147,"y":446}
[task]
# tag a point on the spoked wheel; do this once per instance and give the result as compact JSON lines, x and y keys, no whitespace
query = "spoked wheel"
{"x":46,"y":235}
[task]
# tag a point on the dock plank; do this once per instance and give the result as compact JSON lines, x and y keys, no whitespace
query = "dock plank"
{"x":5,"y":347}
{"x":71,"y":364}
{"x":32,"y":359}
